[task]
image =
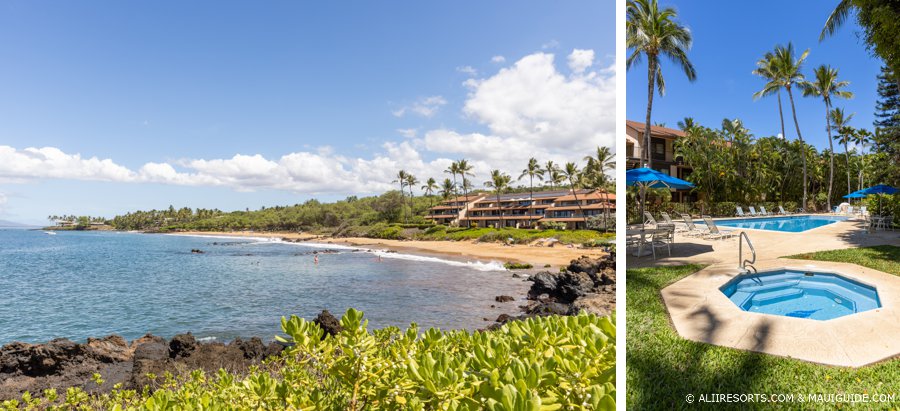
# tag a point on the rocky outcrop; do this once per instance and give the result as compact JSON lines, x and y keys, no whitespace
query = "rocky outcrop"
{"x":585,"y":285}
{"x":328,"y":323}
{"x":62,"y":363}
{"x":504,"y":298}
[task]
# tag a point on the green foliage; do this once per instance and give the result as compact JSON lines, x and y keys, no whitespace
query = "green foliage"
{"x":540,"y":363}
{"x":509,"y":265}
{"x":663,"y":367}
{"x":517,"y":235}
{"x":553,"y":225}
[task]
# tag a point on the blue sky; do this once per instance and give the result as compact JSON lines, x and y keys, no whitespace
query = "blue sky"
{"x":729,"y":37}
{"x":102,"y":89}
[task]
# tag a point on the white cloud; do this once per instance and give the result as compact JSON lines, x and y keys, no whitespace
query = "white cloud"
{"x":498,"y":59}
{"x":527,"y":109}
{"x":407,"y":132}
{"x":532,"y":103}
{"x":467,"y":70}
{"x":552,"y":44}
{"x":425,"y":107}
{"x":580,"y":60}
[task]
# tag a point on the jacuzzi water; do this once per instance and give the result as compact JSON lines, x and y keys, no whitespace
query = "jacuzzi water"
{"x":788,"y":224}
{"x":801,"y":294}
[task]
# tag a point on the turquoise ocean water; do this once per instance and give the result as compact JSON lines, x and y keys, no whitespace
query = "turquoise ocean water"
{"x":90,"y":284}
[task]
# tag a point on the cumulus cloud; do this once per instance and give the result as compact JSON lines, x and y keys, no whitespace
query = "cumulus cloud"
{"x":407,"y":132}
{"x":467,"y":70}
{"x":498,"y":59}
{"x":425,"y":107}
{"x":527,"y":109}
{"x":580,"y":60}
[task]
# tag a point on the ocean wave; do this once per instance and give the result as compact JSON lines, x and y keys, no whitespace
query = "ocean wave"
{"x":233,"y":237}
{"x":475,"y":265}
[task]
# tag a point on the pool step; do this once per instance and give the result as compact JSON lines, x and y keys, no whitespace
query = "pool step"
{"x":772,"y":297}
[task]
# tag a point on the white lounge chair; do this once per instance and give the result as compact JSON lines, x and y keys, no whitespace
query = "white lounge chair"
{"x":863,"y":211}
{"x":762,"y":210}
{"x":739,"y":211}
{"x":780,"y":208}
{"x":714,"y":232}
{"x":648,"y":218}
{"x":692,"y":229}
{"x":753,"y":211}
{"x":668,"y":220}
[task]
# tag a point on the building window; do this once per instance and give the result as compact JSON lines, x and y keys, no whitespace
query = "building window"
{"x":629,"y":150}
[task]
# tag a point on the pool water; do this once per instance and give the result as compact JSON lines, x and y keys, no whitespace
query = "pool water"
{"x":801,"y":294}
{"x":788,"y":224}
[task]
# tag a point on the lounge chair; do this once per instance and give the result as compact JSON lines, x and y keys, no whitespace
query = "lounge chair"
{"x":714,"y":232}
{"x":668,"y":221}
{"x":739,"y":210}
{"x":780,"y":208}
{"x":692,"y":229}
{"x":863,"y":211}
{"x":648,"y":218}
{"x":762,"y":210}
{"x":753,"y":211}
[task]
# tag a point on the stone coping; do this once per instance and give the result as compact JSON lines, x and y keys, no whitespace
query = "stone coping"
{"x":701,"y":312}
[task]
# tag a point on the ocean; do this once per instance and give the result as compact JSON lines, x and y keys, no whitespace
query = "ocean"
{"x":90,"y":284}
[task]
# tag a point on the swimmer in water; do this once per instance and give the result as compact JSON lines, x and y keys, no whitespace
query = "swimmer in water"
{"x":316,"y":259}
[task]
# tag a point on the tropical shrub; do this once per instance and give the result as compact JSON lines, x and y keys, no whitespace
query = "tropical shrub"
{"x":540,"y":363}
{"x":553,"y":225}
{"x":509,"y":265}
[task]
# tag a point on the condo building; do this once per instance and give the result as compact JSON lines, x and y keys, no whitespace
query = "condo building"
{"x":522,"y":210}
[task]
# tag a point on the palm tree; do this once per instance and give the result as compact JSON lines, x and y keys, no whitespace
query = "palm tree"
{"x":654,"y":33}
{"x":862,"y":137}
{"x":447,"y":189}
{"x":428,"y":188}
{"x":836,"y":18}
{"x":402,"y":178}
{"x":788,"y":69}
{"x":552,"y":171}
{"x":465,"y":169}
{"x":597,"y":166}
{"x":411,"y":182}
{"x":766,"y":68}
{"x":841,"y":124}
{"x":532,"y":170}
{"x":499,"y":182}
{"x":453,"y":170}
{"x":572,"y":174}
{"x":687,"y":124}
{"x":826,"y":86}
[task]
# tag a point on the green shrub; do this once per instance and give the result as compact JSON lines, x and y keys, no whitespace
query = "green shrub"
{"x":509,"y":265}
{"x":552,"y":362}
{"x":553,"y":225}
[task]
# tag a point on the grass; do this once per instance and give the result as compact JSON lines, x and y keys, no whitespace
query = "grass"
{"x":518,"y":235}
{"x":662,"y":368}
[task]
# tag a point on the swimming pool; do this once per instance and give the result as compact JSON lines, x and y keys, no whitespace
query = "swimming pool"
{"x":801,"y":294}
{"x":787,"y":224}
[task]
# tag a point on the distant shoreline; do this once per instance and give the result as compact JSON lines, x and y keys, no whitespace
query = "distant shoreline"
{"x":557,"y":256}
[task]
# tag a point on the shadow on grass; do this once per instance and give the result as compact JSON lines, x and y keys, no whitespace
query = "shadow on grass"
{"x":662,"y":368}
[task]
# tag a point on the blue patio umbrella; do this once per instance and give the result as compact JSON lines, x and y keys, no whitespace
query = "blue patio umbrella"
{"x":855,"y":195}
{"x":879,"y":189}
{"x":647,"y":177}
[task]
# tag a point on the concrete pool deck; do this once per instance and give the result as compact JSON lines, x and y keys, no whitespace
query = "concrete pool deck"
{"x":769,"y":244}
{"x":701,"y":312}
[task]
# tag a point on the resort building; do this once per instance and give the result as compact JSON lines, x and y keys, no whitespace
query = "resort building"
{"x":662,"y":152}
{"x":517,"y":209}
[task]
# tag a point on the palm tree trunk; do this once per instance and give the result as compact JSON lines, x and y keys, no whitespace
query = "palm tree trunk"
{"x":575,"y":193}
{"x":847,"y":156}
{"x":651,"y":69}
{"x":831,"y":154}
{"x":781,"y":115}
{"x":466,"y":194}
{"x":531,"y":200}
{"x":802,"y":146}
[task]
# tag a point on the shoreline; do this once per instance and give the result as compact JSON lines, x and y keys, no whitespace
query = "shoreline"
{"x":558,"y":256}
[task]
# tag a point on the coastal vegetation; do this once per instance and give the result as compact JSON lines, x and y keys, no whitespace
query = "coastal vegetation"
{"x":540,"y":363}
{"x":663,"y":367}
{"x":397,"y":214}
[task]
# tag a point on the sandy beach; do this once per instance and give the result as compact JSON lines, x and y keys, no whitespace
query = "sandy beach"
{"x":538,"y":256}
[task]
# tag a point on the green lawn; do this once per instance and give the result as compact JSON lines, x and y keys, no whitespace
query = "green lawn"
{"x":662,"y":368}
